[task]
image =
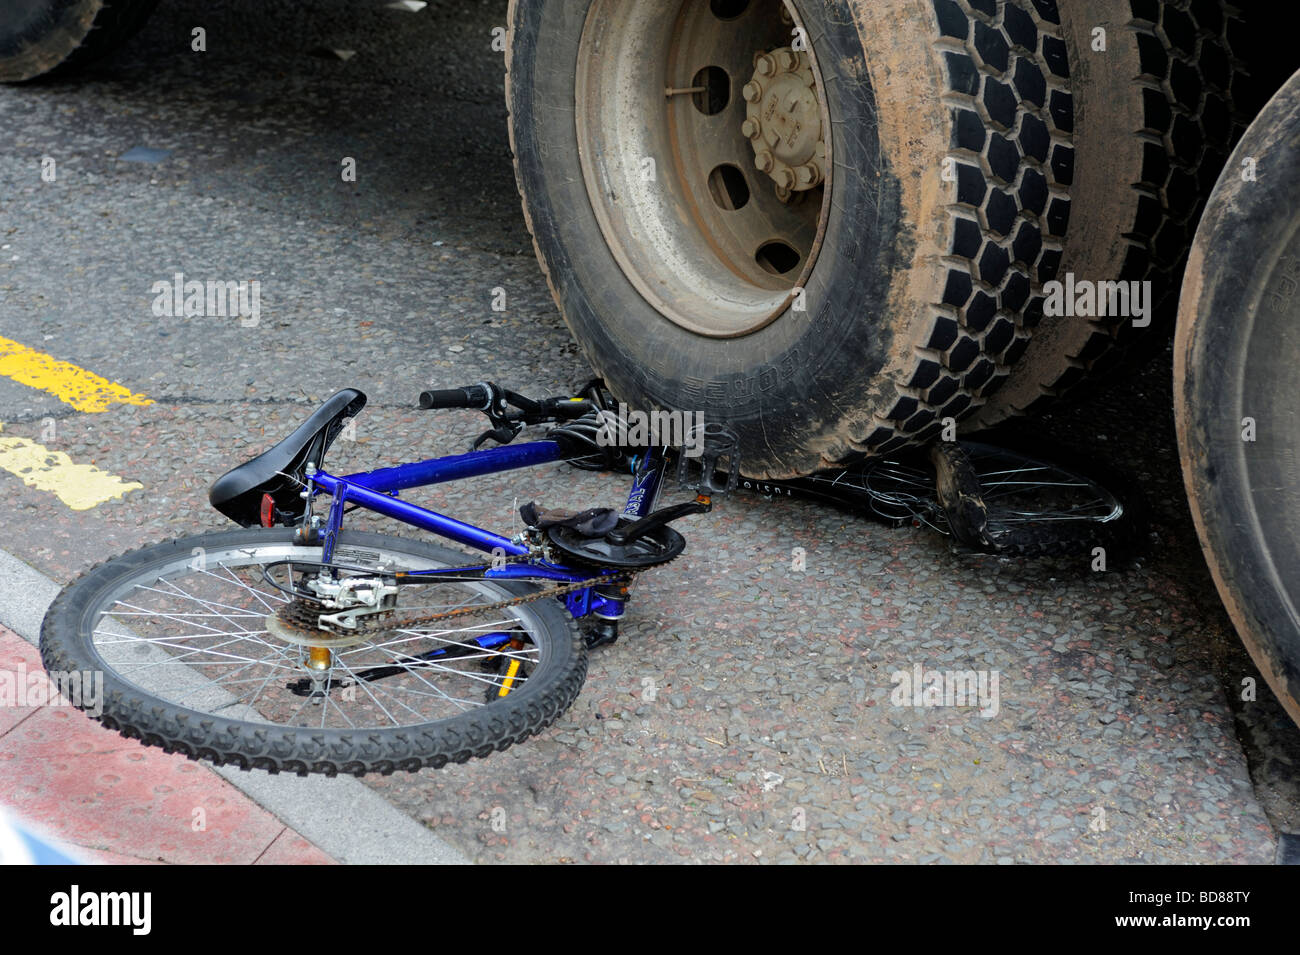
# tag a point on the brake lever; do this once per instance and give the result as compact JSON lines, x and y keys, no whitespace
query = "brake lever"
{"x":501,"y":435}
{"x":506,"y":426}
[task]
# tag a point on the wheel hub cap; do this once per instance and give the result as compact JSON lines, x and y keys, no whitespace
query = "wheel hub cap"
{"x":783,"y":121}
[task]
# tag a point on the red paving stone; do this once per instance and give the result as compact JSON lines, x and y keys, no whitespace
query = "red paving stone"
{"x":17,"y":657}
{"x":117,"y":801}
{"x":96,"y":857}
{"x":290,"y":848}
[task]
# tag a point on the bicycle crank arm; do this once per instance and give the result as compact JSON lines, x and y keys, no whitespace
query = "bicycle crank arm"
{"x":621,"y":536}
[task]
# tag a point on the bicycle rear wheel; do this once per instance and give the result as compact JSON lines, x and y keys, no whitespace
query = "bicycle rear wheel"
{"x":195,"y":658}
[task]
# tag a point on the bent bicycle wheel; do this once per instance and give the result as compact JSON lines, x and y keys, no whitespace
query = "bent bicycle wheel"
{"x":1043,"y":504}
{"x":191,"y":639}
{"x":1038,"y":504}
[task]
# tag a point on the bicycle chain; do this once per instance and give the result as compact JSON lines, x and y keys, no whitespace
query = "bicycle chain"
{"x":301,"y":614}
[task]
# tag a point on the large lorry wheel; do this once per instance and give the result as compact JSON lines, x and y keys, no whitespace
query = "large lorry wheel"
{"x":822,"y":223}
{"x":40,"y":36}
{"x":1156,"y":114}
{"x":1236,"y":378}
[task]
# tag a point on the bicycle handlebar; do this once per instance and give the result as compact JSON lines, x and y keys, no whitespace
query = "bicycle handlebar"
{"x":475,"y":397}
{"x":493,"y":399}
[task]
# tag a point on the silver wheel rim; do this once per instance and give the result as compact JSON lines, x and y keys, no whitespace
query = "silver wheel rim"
{"x":661,"y":170}
{"x":191,"y":632}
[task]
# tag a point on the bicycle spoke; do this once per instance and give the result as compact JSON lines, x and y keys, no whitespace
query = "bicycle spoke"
{"x":213,"y":638}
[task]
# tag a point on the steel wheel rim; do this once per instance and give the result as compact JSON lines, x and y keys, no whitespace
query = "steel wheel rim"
{"x":661,"y":170}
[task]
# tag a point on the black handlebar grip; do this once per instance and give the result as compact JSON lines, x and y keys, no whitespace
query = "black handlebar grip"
{"x":476,"y":397}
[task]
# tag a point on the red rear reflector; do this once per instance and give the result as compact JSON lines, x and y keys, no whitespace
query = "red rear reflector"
{"x":268,"y":511}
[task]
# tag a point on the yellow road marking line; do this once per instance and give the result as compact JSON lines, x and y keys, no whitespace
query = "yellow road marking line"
{"x":80,"y":486}
{"x":82,"y":389}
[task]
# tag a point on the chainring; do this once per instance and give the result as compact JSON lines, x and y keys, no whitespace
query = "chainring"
{"x":659,"y":546}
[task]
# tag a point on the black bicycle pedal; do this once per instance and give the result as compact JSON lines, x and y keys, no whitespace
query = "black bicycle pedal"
{"x":699,"y":462}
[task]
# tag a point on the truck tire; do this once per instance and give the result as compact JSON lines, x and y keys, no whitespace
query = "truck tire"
{"x":895,"y":290}
{"x":1156,"y":114}
{"x":1236,"y":377}
{"x":38,"y":37}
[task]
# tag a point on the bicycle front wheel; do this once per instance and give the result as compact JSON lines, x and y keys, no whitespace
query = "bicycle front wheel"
{"x":1040,"y":506}
{"x":195,"y":658}
{"x":1033,"y":505}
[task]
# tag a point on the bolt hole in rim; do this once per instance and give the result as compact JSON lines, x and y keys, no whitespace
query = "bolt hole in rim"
{"x":777,"y":258}
{"x":728,"y":187}
{"x":701,"y":136}
{"x":714,"y":90}
{"x":728,"y":9}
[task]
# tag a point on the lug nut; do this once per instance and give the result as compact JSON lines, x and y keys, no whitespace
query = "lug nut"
{"x":763,"y":160}
{"x":752,"y":92}
{"x":750,"y":129}
{"x":807,"y":175}
{"x":783,"y":177}
{"x":789,"y":61}
{"x":765,"y":66}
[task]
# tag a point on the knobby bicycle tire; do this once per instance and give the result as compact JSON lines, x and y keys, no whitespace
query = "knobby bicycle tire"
{"x":68,"y":645}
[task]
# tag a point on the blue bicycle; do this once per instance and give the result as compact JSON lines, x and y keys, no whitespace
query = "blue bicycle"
{"x":303,"y":646}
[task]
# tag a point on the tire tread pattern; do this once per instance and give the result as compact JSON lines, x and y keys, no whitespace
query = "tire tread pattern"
{"x":1012,"y":156}
{"x":80,"y":34}
{"x":1197,"y":99}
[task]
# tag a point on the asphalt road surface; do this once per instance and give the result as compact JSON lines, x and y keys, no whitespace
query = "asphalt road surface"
{"x":746,"y":714}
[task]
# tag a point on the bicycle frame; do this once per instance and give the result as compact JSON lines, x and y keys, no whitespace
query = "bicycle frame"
{"x":377,"y":491}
